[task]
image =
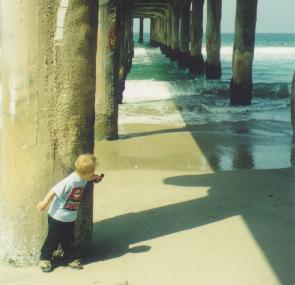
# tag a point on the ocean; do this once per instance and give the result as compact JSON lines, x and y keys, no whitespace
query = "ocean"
{"x":159,"y":92}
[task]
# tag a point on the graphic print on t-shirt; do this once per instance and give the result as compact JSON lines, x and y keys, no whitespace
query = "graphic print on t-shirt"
{"x":74,"y":199}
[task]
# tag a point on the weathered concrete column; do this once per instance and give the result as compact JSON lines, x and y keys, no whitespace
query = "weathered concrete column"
{"x":72,"y":116}
{"x":158,"y":29}
{"x":243,"y":53}
{"x":169,"y":27}
{"x":166,"y":48}
{"x":123,"y":63}
{"x":168,"y":33}
{"x":197,"y":60}
{"x":48,"y":102}
{"x":293,"y":106}
{"x":141,"y":22}
{"x":153,"y":32}
{"x":108,"y":55}
{"x":175,"y":35}
{"x":161,"y":30}
{"x":163,"y":33}
{"x":154,"y":41}
{"x":213,"y":41}
{"x":157,"y":32}
{"x":164,"y":27}
{"x":184,"y":57}
{"x":26,"y":155}
{"x":130,"y":43}
{"x":126,"y":53}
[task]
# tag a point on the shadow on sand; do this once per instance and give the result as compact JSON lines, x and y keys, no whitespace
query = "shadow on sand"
{"x":266,"y":207}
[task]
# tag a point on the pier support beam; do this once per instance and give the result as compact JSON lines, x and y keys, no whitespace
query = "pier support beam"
{"x":107,"y":71}
{"x":243,"y":53}
{"x":184,"y":56}
{"x":26,"y":154}
{"x":164,"y":43}
{"x":168,"y":48}
{"x":125,"y":62}
{"x":130,"y":44}
{"x":153,"y":35}
{"x":72,"y":114}
{"x":159,"y":30}
{"x":48,"y":102}
{"x":213,"y":41}
{"x":155,"y":41}
{"x":175,"y":35}
{"x":197,"y":60}
{"x":163,"y":32}
{"x":141,"y":23}
{"x":293,"y":106}
{"x":154,"y":32}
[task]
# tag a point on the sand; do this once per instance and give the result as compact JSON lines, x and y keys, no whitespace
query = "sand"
{"x":166,"y":214}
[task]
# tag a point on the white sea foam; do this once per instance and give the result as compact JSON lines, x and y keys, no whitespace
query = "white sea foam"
{"x":159,"y":92}
{"x":197,"y":102}
{"x":146,"y":90}
{"x":261,"y":51}
{"x":226,"y":51}
{"x":142,"y":54}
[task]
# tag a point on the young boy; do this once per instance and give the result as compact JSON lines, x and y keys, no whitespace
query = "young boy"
{"x":62,"y":214}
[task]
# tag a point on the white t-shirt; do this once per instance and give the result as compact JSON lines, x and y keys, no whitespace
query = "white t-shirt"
{"x":69,"y":192}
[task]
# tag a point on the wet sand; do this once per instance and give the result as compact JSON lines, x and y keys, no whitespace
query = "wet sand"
{"x":165,"y":214}
{"x":213,"y":146}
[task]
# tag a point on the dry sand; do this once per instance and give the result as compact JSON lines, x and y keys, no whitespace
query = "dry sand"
{"x":164,"y":215}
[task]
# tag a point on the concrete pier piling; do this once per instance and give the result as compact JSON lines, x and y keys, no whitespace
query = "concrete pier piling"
{"x":24,"y":134}
{"x":213,"y":40}
{"x":184,"y":55}
{"x":72,"y":115}
{"x":169,"y":32}
{"x":48,"y":102}
{"x":125,"y":62}
{"x":175,"y":34}
{"x":153,"y":35}
{"x":243,"y":54}
{"x":197,"y":60}
{"x":107,"y":71}
{"x":141,"y":22}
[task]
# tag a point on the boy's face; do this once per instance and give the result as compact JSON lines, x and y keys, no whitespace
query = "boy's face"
{"x":89,"y":176}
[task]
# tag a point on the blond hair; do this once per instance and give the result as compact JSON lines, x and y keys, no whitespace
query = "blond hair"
{"x":85,"y":164}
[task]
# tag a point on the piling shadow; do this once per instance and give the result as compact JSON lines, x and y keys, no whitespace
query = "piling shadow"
{"x":266,"y":207}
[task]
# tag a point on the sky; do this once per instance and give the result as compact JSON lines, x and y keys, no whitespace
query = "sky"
{"x":273,"y":16}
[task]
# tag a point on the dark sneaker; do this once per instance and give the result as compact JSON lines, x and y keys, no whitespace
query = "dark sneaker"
{"x":75,"y":264}
{"x":45,"y":265}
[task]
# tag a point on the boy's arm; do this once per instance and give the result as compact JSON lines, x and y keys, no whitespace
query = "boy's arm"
{"x":97,"y":178}
{"x":47,"y":199}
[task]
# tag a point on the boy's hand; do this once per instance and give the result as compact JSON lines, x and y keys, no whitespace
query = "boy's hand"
{"x":41,"y":206}
{"x":47,"y":199}
{"x":98,"y":178}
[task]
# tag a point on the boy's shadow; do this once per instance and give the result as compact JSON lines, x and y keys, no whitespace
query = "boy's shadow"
{"x":264,"y":202}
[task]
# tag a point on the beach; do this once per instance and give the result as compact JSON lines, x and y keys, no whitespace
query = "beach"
{"x":163,"y":215}
{"x":195,"y":191}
